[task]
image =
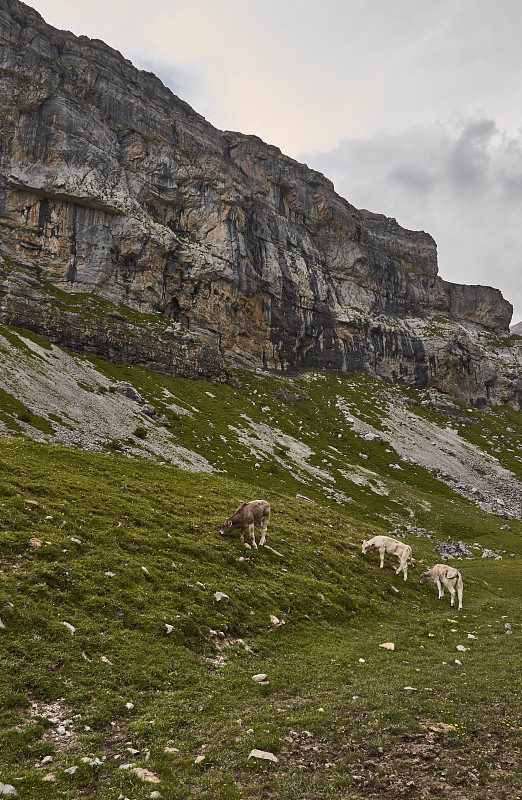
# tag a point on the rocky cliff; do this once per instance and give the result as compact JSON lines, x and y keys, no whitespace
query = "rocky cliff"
{"x":110,"y":185}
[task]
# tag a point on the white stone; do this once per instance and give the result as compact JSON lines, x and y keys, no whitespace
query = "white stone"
{"x":169,"y":628}
{"x":71,"y":770}
{"x":6,"y":788}
{"x":362,"y":661}
{"x":264,"y":755}
{"x":171,"y":750}
{"x":410,"y":689}
{"x":461,"y":648}
{"x":388,"y":645}
{"x":221,"y":597}
{"x":259,"y":678}
{"x":69,"y":627}
{"x":106,"y":661}
{"x":199,"y":759}
{"x":47,"y":759}
{"x":130,"y":706}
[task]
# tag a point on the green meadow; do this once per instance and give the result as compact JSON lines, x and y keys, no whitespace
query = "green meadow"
{"x":152,"y":672}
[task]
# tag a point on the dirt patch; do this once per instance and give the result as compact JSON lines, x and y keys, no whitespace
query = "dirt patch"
{"x":63,"y":730}
{"x":433,"y":764}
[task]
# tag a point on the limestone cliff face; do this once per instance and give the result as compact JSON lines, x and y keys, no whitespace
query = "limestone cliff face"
{"x":109,"y":184}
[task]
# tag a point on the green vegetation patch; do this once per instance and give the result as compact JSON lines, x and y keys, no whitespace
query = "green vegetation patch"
{"x":108,"y":573}
{"x":12,"y":411}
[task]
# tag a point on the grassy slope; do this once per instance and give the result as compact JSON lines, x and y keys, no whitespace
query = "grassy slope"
{"x":189,"y":694}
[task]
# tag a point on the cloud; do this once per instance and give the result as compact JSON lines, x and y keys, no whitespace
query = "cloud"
{"x":469,"y":158}
{"x":461,"y":182}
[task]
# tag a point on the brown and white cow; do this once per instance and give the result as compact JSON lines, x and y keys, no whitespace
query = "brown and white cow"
{"x":385,"y":544}
{"x":445,"y":576}
{"x":248,"y":515}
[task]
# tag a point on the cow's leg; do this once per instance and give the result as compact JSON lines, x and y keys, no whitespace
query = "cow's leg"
{"x":405,"y":569}
{"x":440,"y":588}
{"x":263,"y":527}
{"x":459,"y":591}
{"x":242,"y":535}
{"x":452,"y":593}
{"x":252,"y":535}
{"x":381,"y":553}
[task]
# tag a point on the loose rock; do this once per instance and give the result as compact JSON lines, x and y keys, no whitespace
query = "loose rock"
{"x":490,"y":554}
{"x":145,"y":775}
{"x":35,"y":543}
{"x":264,"y":755}
{"x":6,"y":788}
{"x":450,"y":549}
{"x":70,"y":627}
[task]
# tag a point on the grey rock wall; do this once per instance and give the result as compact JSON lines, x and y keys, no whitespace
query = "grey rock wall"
{"x":110,"y":184}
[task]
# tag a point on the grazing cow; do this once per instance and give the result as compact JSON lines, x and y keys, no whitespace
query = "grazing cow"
{"x":256,"y":512}
{"x":385,"y":544}
{"x":445,"y":576}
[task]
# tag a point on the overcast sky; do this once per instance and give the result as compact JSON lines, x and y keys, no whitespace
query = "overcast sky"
{"x":412,"y":107}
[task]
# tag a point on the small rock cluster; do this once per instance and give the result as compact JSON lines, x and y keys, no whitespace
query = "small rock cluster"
{"x":451,"y":549}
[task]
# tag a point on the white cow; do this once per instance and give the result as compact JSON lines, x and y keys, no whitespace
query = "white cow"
{"x":445,"y":576}
{"x":385,"y":544}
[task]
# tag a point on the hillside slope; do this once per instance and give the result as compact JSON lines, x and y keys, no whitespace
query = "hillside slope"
{"x":120,"y":665}
{"x":351,"y":440}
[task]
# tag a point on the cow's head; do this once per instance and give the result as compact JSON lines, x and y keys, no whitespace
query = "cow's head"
{"x":425,"y":577}
{"x":225,"y":527}
{"x":367,"y":546}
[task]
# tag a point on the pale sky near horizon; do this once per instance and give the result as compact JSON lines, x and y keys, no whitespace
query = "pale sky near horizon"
{"x":412,"y":108}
